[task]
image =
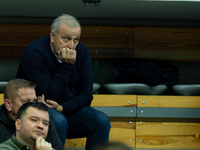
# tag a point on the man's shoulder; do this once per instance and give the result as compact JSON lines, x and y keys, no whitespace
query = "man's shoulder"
{"x":5,"y":133}
{"x":7,"y":127}
{"x":39,"y":43}
{"x":6,"y":145}
{"x":38,"y":48}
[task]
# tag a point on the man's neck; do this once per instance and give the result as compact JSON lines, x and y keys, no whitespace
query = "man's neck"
{"x":12,"y":116}
{"x":30,"y":144}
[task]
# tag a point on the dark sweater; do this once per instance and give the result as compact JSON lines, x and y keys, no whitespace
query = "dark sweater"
{"x":7,"y":129}
{"x":69,"y":85}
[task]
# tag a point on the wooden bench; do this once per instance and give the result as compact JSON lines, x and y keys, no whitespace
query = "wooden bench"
{"x":149,"y":121}
{"x":168,"y":122}
{"x":121,"y":110}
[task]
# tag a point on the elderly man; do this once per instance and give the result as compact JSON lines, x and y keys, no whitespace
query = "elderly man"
{"x":62,"y":69}
{"x":17,"y":92}
{"x":32,"y":126}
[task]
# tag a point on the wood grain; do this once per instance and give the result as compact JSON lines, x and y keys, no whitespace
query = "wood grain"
{"x":165,"y":43}
{"x":114,"y":100}
{"x":169,"y":101}
{"x":167,"y":135}
{"x":107,"y":36}
{"x":1,"y":99}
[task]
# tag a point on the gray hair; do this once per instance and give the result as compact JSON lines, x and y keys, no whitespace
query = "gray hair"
{"x":69,"y":20}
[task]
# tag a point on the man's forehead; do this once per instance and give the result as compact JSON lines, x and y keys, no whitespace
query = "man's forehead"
{"x":69,"y":29}
{"x":31,"y":111}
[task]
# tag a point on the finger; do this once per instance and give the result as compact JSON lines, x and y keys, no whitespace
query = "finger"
{"x":63,"y":50}
{"x":72,"y":52}
{"x":51,"y":104}
{"x":39,"y":99}
{"x":43,"y":98}
{"x":60,"y":52}
{"x":38,"y":140}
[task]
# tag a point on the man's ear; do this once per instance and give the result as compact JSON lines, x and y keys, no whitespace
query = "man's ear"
{"x":8,"y":104}
{"x":18,"y":124}
{"x":52,"y":35}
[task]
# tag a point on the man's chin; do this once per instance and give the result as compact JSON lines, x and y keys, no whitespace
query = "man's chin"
{"x":34,"y":137}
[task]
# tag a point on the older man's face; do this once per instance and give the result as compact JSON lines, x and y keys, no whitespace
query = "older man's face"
{"x":66,"y":37}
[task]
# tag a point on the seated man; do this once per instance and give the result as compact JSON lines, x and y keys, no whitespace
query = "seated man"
{"x":17,"y":92}
{"x":32,"y":126}
{"x":61,"y":67}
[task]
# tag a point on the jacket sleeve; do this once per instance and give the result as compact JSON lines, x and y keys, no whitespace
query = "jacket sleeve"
{"x":85,"y":86}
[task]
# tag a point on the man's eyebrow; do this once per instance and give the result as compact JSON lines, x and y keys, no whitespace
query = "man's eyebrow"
{"x":66,"y":35}
{"x":29,"y":99}
{"x":39,"y":118}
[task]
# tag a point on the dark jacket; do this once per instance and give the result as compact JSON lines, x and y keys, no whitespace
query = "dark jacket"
{"x":7,"y":129}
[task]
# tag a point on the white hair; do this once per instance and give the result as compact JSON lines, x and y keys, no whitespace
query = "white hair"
{"x":69,"y":20}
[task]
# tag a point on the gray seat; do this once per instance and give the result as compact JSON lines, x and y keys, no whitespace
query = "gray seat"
{"x":135,"y":88}
{"x":2,"y":86}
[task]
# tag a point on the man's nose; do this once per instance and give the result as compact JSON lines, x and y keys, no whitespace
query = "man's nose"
{"x":40,"y":125}
{"x":70,"y":44}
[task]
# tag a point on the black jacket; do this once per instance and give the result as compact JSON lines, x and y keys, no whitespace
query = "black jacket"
{"x":7,"y":129}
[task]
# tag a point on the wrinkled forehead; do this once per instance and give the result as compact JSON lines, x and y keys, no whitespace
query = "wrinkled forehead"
{"x":65,"y":31}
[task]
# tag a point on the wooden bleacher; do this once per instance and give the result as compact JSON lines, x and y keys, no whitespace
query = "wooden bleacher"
{"x":149,"y":121}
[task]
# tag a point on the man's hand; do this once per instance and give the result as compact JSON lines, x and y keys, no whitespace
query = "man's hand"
{"x":41,"y":144}
{"x":55,"y":105}
{"x":67,"y":55}
{"x":50,"y":103}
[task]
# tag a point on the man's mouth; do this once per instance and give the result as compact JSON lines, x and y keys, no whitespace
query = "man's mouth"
{"x":39,"y":132}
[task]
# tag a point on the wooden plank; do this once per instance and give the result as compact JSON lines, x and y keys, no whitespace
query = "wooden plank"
{"x":123,"y":130}
{"x":164,"y":43}
{"x":107,"y":36}
{"x":126,"y":136}
{"x":16,"y":37}
{"x":167,"y":142}
{"x":166,"y":33}
{"x":21,"y":34}
{"x":11,"y":52}
{"x":114,"y":100}
{"x":169,"y":101}
{"x":78,"y":142}
{"x":167,"y":128}
{"x":126,"y":123}
{"x":1,"y":99}
{"x":167,"y":135}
